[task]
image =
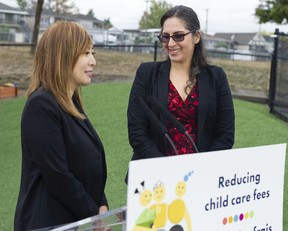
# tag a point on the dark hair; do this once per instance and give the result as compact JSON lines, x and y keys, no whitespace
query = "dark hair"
{"x":190,"y":18}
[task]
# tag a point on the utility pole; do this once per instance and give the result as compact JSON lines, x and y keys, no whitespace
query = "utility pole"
{"x":146,"y":20}
{"x":206,"y":29}
{"x":50,"y":10}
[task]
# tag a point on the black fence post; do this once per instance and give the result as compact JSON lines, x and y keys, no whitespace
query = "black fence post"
{"x":155,"y":51}
{"x":273,"y":72}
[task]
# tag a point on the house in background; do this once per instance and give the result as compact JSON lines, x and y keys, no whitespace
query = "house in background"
{"x":17,"y":26}
{"x":94,"y":26}
{"x":248,"y":42}
{"x":247,"y":46}
{"x":216,"y":43}
{"x":10,"y":24}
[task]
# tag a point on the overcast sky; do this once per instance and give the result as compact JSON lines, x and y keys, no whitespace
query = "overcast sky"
{"x":216,"y":16}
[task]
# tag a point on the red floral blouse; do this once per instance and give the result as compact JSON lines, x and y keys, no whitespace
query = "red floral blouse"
{"x":186,"y":113}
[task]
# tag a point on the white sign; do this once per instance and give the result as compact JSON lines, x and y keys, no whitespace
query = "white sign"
{"x":235,"y":190}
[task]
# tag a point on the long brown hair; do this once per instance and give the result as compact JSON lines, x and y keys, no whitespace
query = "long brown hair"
{"x":55,"y":57}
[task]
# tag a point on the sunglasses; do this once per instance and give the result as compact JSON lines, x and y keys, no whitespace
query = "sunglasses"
{"x":165,"y":38}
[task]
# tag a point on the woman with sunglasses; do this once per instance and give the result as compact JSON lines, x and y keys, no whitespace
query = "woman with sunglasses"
{"x":186,"y":84}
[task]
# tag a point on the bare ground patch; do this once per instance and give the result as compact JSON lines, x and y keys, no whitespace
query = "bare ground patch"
{"x":245,"y":77}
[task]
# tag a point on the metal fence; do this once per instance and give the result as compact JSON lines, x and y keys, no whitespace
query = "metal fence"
{"x":156,"y":49}
{"x":278,"y":89}
{"x":248,"y":77}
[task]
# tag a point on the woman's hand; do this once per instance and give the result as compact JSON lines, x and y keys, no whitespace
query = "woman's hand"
{"x":103,"y":209}
{"x":101,"y":226}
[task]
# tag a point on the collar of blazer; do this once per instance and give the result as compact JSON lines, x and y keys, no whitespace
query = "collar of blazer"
{"x":161,"y":92}
{"x":87,"y":126}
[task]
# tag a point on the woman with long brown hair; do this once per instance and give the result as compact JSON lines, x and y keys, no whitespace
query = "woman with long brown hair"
{"x":63,"y":160}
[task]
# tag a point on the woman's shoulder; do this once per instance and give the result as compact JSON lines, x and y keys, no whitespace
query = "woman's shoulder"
{"x":41,"y":93}
{"x":42,"y":98}
{"x":151,"y":65}
{"x":213,"y":68}
{"x":151,"y":68}
{"x":214,"y":71}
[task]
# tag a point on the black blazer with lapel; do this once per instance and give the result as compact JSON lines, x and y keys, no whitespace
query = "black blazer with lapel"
{"x":216,"y":119}
{"x":63,"y":166}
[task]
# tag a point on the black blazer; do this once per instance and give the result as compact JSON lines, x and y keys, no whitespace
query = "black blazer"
{"x":63,"y":166}
{"x":216,"y":119}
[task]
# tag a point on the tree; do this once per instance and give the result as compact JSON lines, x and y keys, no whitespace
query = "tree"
{"x":107,"y":23}
{"x":90,"y":13}
{"x":63,"y":6}
{"x":22,"y":4}
{"x":58,"y":6}
{"x":272,"y":11}
{"x":38,"y":12}
{"x":152,"y":19}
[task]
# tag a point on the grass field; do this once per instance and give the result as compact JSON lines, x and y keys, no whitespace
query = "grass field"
{"x":106,"y":106}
